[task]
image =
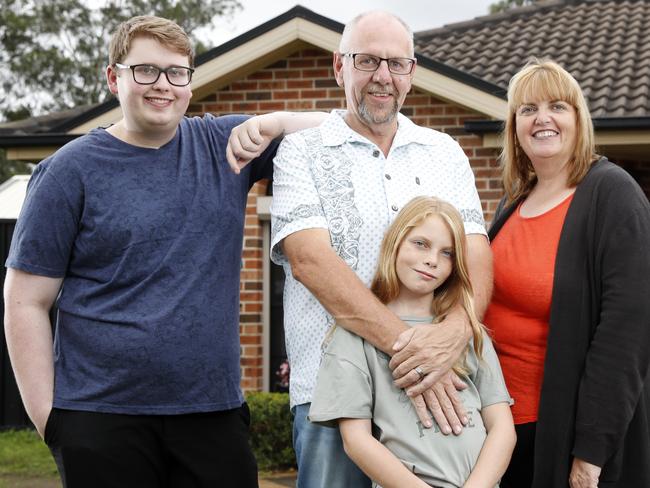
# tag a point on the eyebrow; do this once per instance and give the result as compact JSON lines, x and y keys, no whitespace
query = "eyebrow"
{"x":559,"y":100}
{"x":419,"y":238}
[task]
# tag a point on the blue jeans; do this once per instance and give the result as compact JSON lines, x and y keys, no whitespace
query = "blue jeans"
{"x":322,"y":462}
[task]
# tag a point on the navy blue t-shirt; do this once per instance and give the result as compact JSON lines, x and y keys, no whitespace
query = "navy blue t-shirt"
{"x":148,"y":243}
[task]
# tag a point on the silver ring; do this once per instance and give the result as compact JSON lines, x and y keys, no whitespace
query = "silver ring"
{"x":419,"y":371}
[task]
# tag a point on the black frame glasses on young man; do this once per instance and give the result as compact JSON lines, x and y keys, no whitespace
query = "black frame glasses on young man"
{"x":148,"y":74}
{"x":370,"y":62}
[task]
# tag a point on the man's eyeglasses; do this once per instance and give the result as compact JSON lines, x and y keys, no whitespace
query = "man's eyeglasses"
{"x":369,"y":62}
{"x":148,"y":74}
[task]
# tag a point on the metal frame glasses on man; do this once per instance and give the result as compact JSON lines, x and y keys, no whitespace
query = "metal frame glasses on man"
{"x":371,"y":63}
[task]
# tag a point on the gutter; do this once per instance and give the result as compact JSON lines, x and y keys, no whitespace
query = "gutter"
{"x":36,"y":140}
{"x":610,"y":123}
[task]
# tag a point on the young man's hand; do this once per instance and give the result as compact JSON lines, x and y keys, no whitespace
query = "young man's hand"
{"x":249,"y":139}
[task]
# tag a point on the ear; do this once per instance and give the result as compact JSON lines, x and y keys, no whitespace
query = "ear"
{"x":337,"y":63}
{"x":111,"y":79}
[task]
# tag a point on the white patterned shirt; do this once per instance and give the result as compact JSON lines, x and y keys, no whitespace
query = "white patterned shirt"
{"x":331,"y":177}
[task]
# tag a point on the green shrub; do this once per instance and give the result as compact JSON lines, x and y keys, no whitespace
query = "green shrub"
{"x":271,"y":436}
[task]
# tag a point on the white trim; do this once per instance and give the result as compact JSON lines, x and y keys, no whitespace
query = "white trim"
{"x":459,"y":93}
{"x":264,"y":215}
{"x":623,"y":138}
{"x":264,"y":208}
{"x":12,"y":196}
{"x":246,"y":55}
{"x":266,"y":305}
{"x":31,"y":153}
{"x":272,"y":45}
{"x":630,"y":138}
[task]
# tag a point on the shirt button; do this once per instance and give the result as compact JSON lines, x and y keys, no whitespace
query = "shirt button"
{"x":375,"y":153}
{"x":395,"y":208}
{"x":387,"y":176}
{"x":417,"y":180}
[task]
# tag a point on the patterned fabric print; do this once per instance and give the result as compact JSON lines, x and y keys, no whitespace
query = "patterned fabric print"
{"x":332,"y":179}
{"x":472,"y":215}
{"x":301,"y":212}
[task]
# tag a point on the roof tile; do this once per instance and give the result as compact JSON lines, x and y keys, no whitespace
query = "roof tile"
{"x":605,"y":44}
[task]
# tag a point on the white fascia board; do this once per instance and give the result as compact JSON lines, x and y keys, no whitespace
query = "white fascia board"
{"x":12,"y":196}
{"x":221,"y":66}
{"x":302,"y":30}
{"x":30,"y":153}
{"x":623,"y":138}
{"x":603,"y":138}
{"x":459,"y":93}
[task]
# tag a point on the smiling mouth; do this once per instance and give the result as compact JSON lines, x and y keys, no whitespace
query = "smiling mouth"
{"x":159,"y":101}
{"x":379,"y":92}
{"x":543,"y":134}
{"x":425,"y":274}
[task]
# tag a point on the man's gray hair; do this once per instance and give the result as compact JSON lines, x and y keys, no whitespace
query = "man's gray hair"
{"x":344,"y":45}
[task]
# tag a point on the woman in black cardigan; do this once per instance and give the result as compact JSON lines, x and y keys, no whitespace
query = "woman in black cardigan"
{"x":588,"y":424}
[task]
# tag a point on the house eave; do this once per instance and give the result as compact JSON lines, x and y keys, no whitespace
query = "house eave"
{"x":600,"y":123}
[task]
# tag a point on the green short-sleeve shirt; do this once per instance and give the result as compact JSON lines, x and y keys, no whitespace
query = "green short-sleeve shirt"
{"x":354,"y":381}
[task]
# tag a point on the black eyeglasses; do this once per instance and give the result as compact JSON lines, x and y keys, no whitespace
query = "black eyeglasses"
{"x":369,"y":62}
{"x":148,"y":74}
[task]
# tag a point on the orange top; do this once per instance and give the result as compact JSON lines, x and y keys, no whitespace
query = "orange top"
{"x":524,"y":260}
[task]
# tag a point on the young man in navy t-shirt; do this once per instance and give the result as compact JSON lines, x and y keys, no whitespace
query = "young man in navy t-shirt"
{"x":137,"y":229}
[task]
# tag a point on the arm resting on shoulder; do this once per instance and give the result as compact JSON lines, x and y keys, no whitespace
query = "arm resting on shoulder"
{"x":249,"y":139}
{"x":497,"y":448}
{"x":373,"y":458}
{"x":28,"y":299}
{"x":315,"y":264}
{"x":336,"y":286}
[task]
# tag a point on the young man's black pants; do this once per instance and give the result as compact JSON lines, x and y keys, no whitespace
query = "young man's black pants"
{"x":204,"y":450}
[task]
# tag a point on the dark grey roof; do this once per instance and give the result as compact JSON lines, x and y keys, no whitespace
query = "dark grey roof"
{"x":605,"y":44}
{"x":44,"y":123}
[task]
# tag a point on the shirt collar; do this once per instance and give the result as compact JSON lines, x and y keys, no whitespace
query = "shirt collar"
{"x":335,"y":132}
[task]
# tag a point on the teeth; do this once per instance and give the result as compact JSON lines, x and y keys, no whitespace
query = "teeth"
{"x":545,"y":133}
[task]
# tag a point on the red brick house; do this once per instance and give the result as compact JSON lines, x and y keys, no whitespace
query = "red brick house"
{"x":459,"y":88}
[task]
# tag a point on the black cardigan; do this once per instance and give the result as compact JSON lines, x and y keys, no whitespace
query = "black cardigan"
{"x":595,"y":400}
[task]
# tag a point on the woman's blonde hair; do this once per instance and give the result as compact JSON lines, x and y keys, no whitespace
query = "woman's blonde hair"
{"x":457,"y":288}
{"x":166,"y":32}
{"x":543,"y":79}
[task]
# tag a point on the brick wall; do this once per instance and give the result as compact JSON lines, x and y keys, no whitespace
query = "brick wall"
{"x":305,"y":81}
{"x":250,"y":303}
